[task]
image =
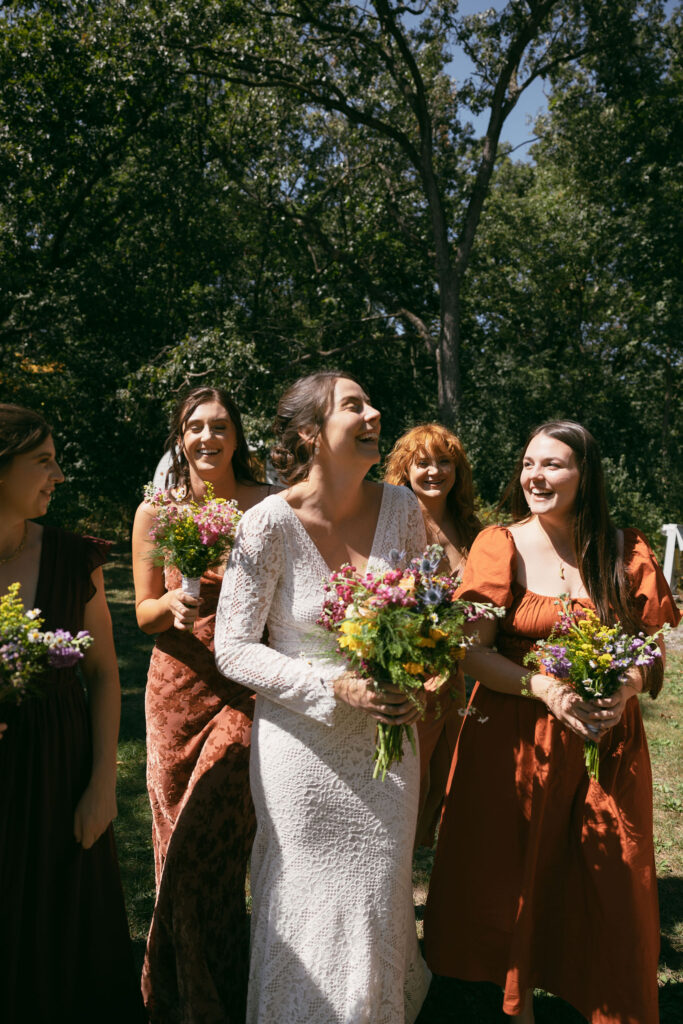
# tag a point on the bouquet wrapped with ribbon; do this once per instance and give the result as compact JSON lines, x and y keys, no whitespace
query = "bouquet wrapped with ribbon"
{"x":27,"y":650}
{"x":189,"y":535}
{"x":592,"y":659}
{"x":401,"y":627}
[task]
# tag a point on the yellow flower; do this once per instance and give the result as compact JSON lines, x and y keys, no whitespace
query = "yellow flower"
{"x":350,"y":627}
{"x":352,"y":642}
{"x":413,"y":668}
{"x":407,"y":583}
{"x":437,"y":634}
{"x":426,"y":641}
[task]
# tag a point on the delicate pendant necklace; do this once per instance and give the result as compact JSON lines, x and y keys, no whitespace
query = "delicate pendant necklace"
{"x":17,"y":550}
{"x":554,"y":551}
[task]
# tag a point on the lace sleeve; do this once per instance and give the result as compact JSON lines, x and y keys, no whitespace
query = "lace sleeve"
{"x":256,"y":569}
{"x":415,"y":540}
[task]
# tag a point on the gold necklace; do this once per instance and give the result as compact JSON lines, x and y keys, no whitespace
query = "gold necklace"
{"x":17,"y":550}
{"x":553,"y":549}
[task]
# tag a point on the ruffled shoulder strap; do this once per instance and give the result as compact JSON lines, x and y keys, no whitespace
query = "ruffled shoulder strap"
{"x":64,"y":582}
{"x":490,"y":568}
{"x":653,"y":598}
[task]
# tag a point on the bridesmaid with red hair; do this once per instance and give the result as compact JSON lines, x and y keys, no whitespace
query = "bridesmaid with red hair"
{"x":431,"y":461}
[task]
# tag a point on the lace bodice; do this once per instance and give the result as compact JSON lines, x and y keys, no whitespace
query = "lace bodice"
{"x":275,"y":577}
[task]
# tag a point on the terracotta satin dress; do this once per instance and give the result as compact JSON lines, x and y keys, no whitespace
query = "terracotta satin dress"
{"x":543,"y":878}
{"x":198,"y":736}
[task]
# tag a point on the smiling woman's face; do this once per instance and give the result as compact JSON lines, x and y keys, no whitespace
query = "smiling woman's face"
{"x":27,"y":483}
{"x":352,"y":425}
{"x":550,"y":477}
{"x":431,"y":476}
{"x":209,"y":440}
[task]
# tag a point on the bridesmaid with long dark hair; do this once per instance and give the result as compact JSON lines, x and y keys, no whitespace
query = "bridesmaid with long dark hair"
{"x":64,"y":949}
{"x":198,"y":736}
{"x":544,"y":877}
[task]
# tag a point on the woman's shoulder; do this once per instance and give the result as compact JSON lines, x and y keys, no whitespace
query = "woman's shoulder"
{"x":270,"y":511}
{"x":494,"y":538}
{"x":648,"y":584}
{"x":490,"y":568}
{"x":399,"y":495}
{"x":73,"y":555}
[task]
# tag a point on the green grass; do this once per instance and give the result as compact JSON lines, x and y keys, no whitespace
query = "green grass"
{"x":449,"y":1000}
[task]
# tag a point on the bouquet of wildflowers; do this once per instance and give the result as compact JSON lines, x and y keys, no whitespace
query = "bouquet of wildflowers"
{"x":26,"y":650}
{"x":401,"y":627}
{"x":593,"y":658}
{"x":191,"y":536}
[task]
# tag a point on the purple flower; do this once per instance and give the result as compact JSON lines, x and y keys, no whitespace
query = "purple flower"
{"x":63,"y":657}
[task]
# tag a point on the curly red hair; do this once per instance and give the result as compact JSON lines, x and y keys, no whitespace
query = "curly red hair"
{"x":434,"y":441}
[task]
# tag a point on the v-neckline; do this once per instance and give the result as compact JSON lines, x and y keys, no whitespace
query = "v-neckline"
{"x":317,"y":550}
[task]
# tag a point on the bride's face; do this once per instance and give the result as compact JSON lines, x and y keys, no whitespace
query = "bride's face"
{"x":28,"y":482}
{"x":351,"y":428}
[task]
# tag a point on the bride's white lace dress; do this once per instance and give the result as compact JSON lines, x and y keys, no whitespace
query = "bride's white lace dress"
{"x":333,"y":929}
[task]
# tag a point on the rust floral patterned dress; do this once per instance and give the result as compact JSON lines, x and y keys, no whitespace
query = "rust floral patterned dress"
{"x":542,"y":877}
{"x":198,"y":736}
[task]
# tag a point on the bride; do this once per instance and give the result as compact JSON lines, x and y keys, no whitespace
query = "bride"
{"x":333,"y":932}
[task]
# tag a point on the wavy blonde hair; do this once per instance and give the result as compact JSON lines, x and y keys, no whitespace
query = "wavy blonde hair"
{"x":434,"y":441}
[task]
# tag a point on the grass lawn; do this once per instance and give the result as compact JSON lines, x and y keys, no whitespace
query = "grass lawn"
{"x":448,"y":1000}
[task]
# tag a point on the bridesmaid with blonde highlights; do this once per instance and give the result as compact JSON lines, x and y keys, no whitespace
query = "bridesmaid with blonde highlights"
{"x":431,"y":461}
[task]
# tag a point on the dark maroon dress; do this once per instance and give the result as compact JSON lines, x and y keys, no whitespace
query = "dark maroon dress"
{"x":65,"y":953}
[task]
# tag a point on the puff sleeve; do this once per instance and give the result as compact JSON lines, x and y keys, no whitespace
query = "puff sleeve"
{"x":649,"y":589}
{"x":490,"y":568}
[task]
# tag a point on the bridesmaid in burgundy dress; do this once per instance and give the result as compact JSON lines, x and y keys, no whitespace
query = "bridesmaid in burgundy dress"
{"x":198,"y":736}
{"x":64,"y":947}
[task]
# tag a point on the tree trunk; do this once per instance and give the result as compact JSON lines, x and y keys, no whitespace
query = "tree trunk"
{"x":448,"y":352}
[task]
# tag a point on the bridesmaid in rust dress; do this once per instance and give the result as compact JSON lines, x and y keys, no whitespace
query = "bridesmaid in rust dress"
{"x":543,"y":877}
{"x":431,"y":461}
{"x":65,"y":953}
{"x":198,"y":735}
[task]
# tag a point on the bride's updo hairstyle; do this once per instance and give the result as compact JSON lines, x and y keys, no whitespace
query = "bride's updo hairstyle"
{"x":299,"y":419}
{"x":242,"y":463}
{"x":21,"y":430}
{"x":596,"y":544}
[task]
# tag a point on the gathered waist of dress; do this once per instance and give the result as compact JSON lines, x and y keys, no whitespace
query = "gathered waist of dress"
{"x":514,"y":646}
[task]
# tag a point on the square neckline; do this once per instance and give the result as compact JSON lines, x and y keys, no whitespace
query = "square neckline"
{"x":314,"y":546}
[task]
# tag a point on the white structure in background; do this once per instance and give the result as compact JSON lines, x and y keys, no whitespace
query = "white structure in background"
{"x":163,"y":479}
{"x":674,"y":545}
{"x":160,"y":473}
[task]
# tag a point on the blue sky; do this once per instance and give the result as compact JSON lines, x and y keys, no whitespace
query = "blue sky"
{"x":517,"y":130}
{"x":518,"y":127}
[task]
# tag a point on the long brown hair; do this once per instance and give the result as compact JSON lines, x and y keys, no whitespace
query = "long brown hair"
{"x":21,"y":430}
{"x":436,"y":441}
{"x":242,"y":462}
{"x":299,"y":419}
{"x":596,"y":543}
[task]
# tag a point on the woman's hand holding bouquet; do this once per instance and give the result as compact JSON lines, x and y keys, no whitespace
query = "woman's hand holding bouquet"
{"x":398,"y":629}
{"x":595,"y":664}
{"x":193,"y":537}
